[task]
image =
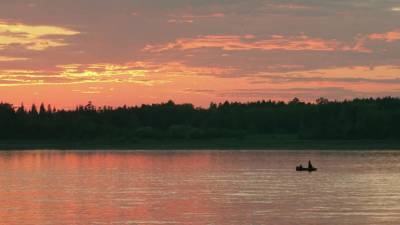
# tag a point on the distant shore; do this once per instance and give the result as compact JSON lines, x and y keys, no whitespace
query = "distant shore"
{"x":251,"y":143}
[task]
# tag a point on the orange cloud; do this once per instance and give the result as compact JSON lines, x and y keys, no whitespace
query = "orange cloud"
{"x":390,"y":36}
{"x":144,"y":73}
{"x":10,"y":59}
{"x":33,"y":37}
{"x":249,"y":42}
{"x":385,"y":74}
{"x":188,"y":18}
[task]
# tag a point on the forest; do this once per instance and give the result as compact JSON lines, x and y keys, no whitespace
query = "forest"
{"x":357,"y":119}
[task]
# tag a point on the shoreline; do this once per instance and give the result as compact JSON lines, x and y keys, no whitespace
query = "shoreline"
{"x":213,"y":144}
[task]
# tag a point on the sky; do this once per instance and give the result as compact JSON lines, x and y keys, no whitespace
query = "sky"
{"x":133,"y":52}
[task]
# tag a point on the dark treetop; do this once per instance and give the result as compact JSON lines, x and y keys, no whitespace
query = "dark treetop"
{"x":355,"y":119}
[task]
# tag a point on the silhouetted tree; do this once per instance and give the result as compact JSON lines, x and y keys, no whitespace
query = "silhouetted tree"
{"x":321,"y":101}
{"x":21,"y":110}
{"x":42,"y":109}
{"x":294,"y":101}
{"x":34,"y":111}
{"x":351,"y":119}
{"x":49,"y":109}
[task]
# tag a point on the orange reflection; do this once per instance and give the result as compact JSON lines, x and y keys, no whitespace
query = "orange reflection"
{"x":196,"y":188}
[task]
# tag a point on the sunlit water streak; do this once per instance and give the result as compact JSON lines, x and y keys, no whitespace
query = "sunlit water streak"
{"x":199,"y":188}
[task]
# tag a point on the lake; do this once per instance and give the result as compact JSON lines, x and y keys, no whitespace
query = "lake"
{"x":199,"y":188}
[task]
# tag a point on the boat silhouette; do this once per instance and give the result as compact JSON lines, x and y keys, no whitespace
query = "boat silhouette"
{"x":299,"y":168}
{"x":310,"y":167}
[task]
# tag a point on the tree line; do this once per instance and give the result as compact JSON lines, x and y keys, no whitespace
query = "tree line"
{"x":369,"y":118}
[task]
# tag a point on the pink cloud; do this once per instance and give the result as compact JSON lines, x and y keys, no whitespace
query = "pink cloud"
{"x":390,"y":36}
{"x":249,"y":42}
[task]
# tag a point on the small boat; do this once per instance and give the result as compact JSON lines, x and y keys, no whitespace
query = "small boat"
{"x":299,"y":168}
{"x":309,"y":168}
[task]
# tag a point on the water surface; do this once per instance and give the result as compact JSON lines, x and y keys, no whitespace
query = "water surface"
{"x":199,"y":188}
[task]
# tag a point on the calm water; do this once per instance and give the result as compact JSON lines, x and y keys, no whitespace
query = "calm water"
{"x":219,"y":188}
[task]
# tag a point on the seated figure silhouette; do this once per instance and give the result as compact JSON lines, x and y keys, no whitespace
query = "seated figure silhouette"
{"x":310,"y":166}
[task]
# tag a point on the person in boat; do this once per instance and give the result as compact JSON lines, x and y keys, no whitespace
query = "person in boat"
{"x":310,"y":166}
{"x":301,"y":166}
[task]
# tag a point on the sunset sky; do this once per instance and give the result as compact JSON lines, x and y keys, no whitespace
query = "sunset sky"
{"x":65,"y":52}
